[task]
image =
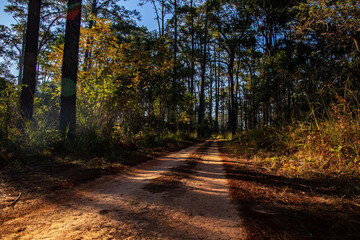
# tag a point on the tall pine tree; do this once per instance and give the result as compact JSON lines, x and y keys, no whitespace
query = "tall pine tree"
{"x":30,"y":59}
{"x":70,"y":69}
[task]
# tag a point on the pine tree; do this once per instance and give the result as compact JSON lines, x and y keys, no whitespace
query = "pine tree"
{"x":70,"y":69}
{"x":30,"y":59}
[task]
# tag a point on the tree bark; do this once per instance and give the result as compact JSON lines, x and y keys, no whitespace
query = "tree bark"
{"x":21,"y":59}
{"x":30,"y":60}
{"x":70,"y":69}
{"x":192,"y":49}
{"x":217,"y":79}
{"x":174,"y":94}
{"x":211,"y":100}
{"x":232,"y":110}
{"x":200,"y":131}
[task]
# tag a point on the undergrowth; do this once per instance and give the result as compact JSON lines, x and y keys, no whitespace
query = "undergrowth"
{"x":39,"y":143}
{"x":328,"y":147}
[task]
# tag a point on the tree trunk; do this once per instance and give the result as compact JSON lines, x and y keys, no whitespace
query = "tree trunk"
{"x":192,"y":63}
{"x":30,"y":60}
{"x":162,"y":18}
{"x":21,"y":59}
{"x":173,"y":104}
{"x":237,"y":95}
{"x":217,"y":79}
{"x":232,"y":110}
{"x":192,"y":49}
{"x":223,"y":111}
{"x":200,"y":131}
{"x":70,"y":69}
{"x":211,"y":101}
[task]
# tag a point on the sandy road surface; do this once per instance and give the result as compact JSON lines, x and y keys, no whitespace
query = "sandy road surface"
{"x":122,"y":207}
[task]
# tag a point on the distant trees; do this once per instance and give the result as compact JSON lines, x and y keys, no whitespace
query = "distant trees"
{"x":233,"y":22}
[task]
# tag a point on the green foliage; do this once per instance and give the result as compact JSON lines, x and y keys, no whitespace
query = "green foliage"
{"x":9,"y":94}
{"x":168,"y":139}
{"x":88,"y":143}
{"x":263,"y":138}
{"x":38,"y":138}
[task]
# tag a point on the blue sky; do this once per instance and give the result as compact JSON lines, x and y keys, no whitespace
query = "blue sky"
{"x":5,"y":19}
{"x":146,"y":12}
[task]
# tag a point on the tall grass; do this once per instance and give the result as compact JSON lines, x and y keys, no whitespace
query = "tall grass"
{"x":39,"y":142}
{"x":328,"y":147}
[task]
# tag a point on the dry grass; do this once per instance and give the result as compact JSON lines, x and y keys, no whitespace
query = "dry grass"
{"x":328,"y":147}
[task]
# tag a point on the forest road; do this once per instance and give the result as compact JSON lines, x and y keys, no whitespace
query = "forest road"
{"x":172,"y":197}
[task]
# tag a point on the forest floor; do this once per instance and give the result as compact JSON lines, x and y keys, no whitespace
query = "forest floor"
{"x":183,"y":195}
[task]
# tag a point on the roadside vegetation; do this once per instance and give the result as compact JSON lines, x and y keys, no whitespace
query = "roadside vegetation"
{"x":320,"y":147}
{"x":301,"y":181}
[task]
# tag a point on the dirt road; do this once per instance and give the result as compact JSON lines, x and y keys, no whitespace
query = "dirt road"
{"x":179,"y":196}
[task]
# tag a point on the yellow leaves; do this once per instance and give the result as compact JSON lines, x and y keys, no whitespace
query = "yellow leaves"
{"x":99,"y":42}
{"x":54,"y":67}
{"x":112,"y":73}
{"x":185,"y":118}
